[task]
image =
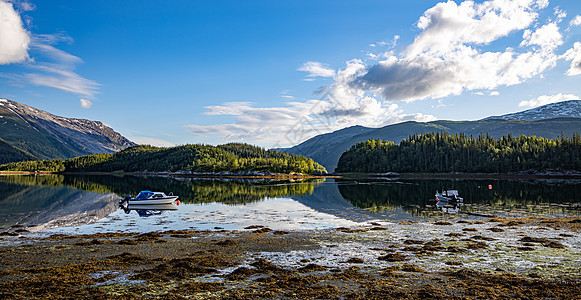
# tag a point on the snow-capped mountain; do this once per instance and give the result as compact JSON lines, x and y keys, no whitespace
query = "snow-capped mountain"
{"x":564,"y":109}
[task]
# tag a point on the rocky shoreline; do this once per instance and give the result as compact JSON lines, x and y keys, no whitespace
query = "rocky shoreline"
{"x":491,"y":258}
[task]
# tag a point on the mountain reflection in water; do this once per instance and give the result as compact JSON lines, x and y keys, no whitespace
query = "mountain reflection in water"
{"x":50,"y":201}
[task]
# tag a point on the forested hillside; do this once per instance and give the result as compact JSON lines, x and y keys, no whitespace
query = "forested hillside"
{"x":443,"y":152}
{"x":195,"y":158}
{"x":10,"y":154}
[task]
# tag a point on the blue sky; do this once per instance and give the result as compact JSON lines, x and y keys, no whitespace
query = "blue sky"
{"x":274,"y":73}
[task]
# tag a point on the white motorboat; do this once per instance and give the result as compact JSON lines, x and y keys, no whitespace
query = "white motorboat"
{"x":149,"y":198}
{"x":449,"y":196}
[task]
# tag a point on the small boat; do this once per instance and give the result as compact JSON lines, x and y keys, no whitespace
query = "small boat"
{"x":150,"y":207}
{"x":149,"y":198}
{"x":449,"y":196}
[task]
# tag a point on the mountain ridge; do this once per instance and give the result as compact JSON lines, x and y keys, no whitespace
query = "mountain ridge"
{"x":47,"y":136}
{"x":569,"y":108}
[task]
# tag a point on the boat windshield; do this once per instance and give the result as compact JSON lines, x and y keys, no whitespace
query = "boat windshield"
{"x":144,"y":195}
{"x":451,"y":192}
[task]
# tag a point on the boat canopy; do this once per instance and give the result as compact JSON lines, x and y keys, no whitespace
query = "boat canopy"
{"x":144,"y":195}
{"x":450,"y":193}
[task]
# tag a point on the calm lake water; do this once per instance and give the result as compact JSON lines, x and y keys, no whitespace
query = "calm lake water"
{"x":89,"y":204}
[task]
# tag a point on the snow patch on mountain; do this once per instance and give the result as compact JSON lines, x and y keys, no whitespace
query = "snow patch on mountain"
{"x":564,"y":109}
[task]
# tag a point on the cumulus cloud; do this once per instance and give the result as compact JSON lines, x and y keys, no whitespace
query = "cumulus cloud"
{"x":576,"y":21}
{"x":86,"y":103}
{"x":574,"y":55}
{"x":316,"y":69}
{"x":547,"y":99}
{"x":449,"y":25}
{"x":15,"y":40}
{"x":547,"y":37}
{"x":445,"y":58}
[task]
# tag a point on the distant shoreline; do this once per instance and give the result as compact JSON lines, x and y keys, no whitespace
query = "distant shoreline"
{"x":180,"y":175}
{"x":540,"y":175}
{"x":548,"y":175}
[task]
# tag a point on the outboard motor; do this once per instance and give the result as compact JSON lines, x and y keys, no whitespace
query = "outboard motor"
{"x":125,"y":200}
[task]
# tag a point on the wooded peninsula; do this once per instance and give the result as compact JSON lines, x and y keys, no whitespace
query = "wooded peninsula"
{"x":443,"y":153}
{"x":232,"y":158}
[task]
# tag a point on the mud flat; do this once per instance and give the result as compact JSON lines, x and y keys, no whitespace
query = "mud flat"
{"x":519,"y":258}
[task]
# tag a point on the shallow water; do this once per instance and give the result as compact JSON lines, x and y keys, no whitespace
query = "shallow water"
{"x":88,"y":204}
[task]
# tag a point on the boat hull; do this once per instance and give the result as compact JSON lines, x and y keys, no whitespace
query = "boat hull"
{"x":165,"y":200}
{"x":151,"y":207}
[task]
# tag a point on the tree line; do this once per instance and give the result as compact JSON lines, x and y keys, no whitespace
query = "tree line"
{"x":443,"y":152}
{"x":233,"y":157}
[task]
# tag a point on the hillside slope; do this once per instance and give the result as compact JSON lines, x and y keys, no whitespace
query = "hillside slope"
{"x":11,"y":154}
{"x":46,"y":136}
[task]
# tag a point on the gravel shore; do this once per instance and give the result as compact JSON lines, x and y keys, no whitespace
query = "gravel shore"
{"x":519,"y":258}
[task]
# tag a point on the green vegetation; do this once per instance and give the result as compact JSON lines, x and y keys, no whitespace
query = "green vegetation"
{"x":12,"y":154}
{"x":443,"y":152}
{"x":235,"y":158}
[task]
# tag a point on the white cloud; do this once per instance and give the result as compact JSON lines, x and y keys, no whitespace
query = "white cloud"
{"x":15,"y":40}
{"x":22,"y":5}
{"x":426,"y":76}
{"x":560,"y":14}
{"x":574,"y":55}
{"x":298,"y":121}
{"x":448,"y":25}
{"x":86,"y":103}
{"x":56,"y":68}
{"x":141,"y":140}
{"x":546,"y":99}
{"x":285,"y":94}
{"x":56,"y":76}
{"x":576,"y":21}
{"x":447,"y":56}
{"x":494,"y":93}
{"x":316,"y":69}
{"x":547,"y":37}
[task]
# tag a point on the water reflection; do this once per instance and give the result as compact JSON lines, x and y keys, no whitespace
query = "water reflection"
{"x":449,"y":206}
{"x":59,"y":200}
{"x":149,"y":210}
{"x":510,"y":197}
{"x":191,"y":190}
{"x":50,"y":206}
